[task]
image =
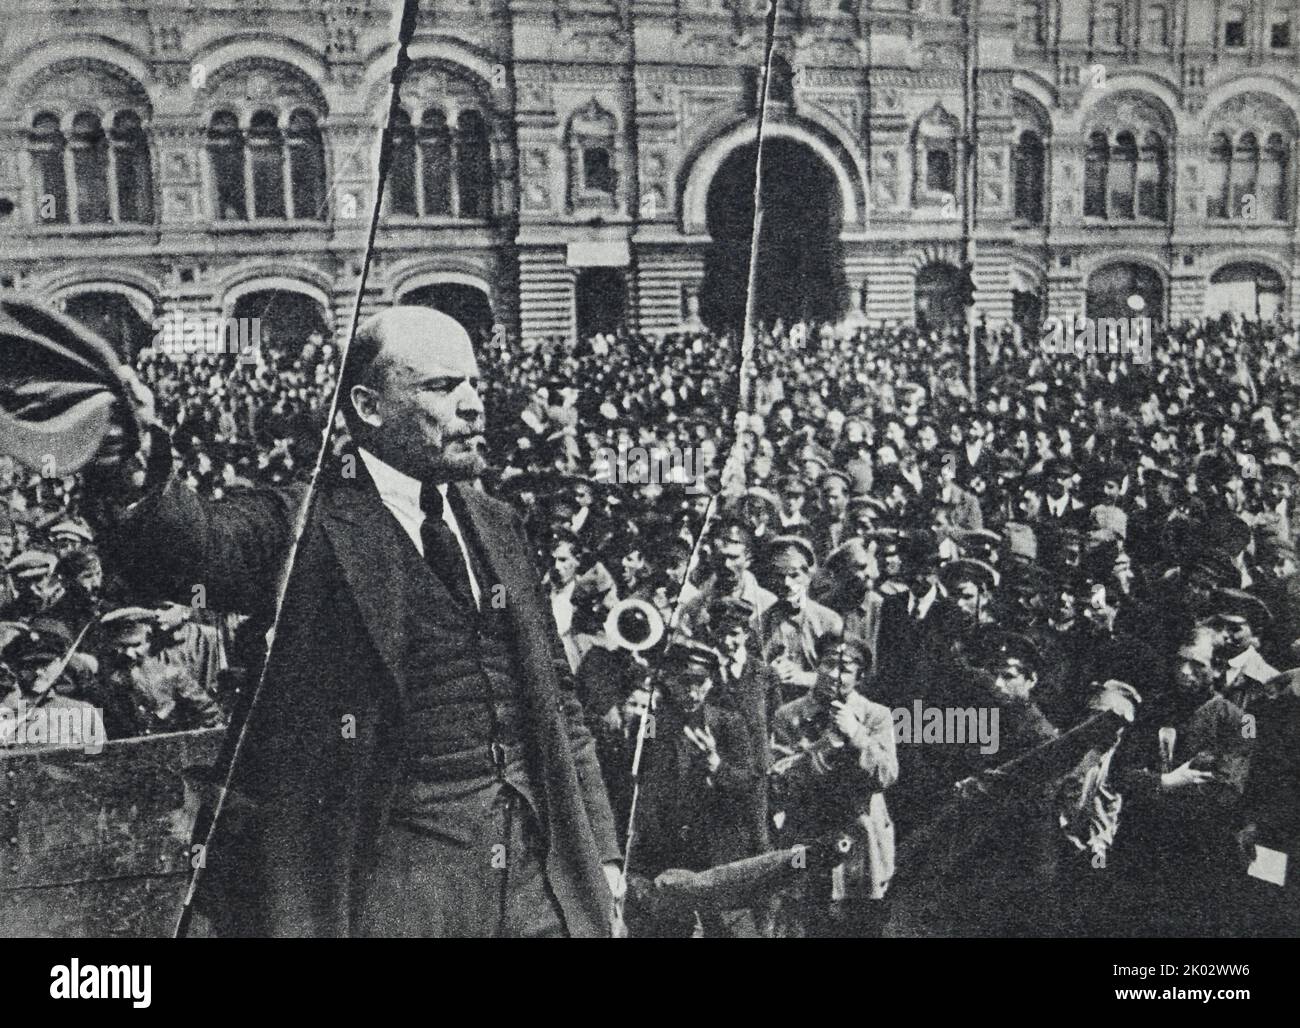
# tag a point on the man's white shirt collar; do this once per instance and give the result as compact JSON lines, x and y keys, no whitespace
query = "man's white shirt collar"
{"x":400,"y":493}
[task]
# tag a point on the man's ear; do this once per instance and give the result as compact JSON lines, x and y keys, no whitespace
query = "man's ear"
{"x":364,"y":402}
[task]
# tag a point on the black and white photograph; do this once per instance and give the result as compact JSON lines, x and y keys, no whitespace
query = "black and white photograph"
{"x":621,"y":469}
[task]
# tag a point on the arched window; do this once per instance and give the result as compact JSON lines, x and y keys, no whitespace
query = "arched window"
{"x":598,"y":170}
{"x":1272,"y":179}
{"x":781,"y":88}
{"x":1028,"y":176}
{"x":133,"y":176}
{"x":1245,"y":175}
{"x":1123,"y":176}
{"x":1151,"y":175}
{"x":436,"y":163}
{"x":1157,"y":27}
{"x":266,"y":163}
{"x":1110,"y":26}
{"x":46,"y":146}
{"x":90,"y":168}
{"x":1029,"y":23}
{"x":400,"y":186}
{"x":226,"y":155}
{"x":1216,"y":176}
{"x":1096,"y":170}
{"x":473,"y":166}
{"x":306,"y":166}
{"x":1234,"y":27}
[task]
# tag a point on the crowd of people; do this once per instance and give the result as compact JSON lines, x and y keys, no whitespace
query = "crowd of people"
{"x":996,"y":663}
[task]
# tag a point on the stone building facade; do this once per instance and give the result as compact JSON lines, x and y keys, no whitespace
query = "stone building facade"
{"x":557,"y":161}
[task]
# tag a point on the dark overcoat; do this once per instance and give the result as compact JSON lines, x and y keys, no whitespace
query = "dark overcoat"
{"x":318,"y":767}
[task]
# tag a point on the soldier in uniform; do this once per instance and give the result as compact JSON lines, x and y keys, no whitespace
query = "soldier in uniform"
{"x":141,"y":694}
{"x":837,"y":758}
{"x":697,"y":787}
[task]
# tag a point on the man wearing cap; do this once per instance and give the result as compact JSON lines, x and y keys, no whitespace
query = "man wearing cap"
{"x":1240,"y":617}
{"x":140,"y":694}
{"x":68,"y":534}
{"x":1270,"y":808}
{"x":831,"y":526}
{"x":1181,"y":770}
{"x":35,"y":586}
{"x":792,"y":493}
{"x":698,"y":775}
{"x":1061,"y":509}
{"x":730,"y":556}
{"x":836,"y":759}
{"x":416,"y":709}
{"x":82,"y":577}
{"x":962,"y":508}
{"x":37,"y":657}
{"x":791,"y":630}
{"x":749,"y":687}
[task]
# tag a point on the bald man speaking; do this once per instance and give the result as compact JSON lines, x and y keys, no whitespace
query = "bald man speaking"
{"x":416,"y":763}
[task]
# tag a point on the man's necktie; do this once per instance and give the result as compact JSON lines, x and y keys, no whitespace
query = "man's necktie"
{"x":441,"y":550}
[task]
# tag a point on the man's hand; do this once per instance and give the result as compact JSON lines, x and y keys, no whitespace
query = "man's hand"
{"x":1246,"y":843}
{"x":614,"y":876}
{"x":1182,"y":777}
{"x":704,"y":741}
{"x":786,"y":669}
{"x":846,"y":721}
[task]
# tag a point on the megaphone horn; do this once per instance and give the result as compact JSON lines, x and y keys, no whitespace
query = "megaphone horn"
{"x":635,"y":625}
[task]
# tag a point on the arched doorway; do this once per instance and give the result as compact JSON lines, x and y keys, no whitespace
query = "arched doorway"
{"x":113,"y":318}
{"x":800,"y":258}
{"x":938,"y":297}
{"x":1126,"y":291}
{"x":600,"y":296}
{"x":1247,"y":288}
{"x":467,"y":304}
{"x":291,"y":326}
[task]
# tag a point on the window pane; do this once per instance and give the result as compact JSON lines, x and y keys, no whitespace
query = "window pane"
{"x":1216,"y":177}
{"x":435,"y":152}
{"x":90,"y":165}
{"x":400,"y":186}
{"x":134,"y":176}
{"x":597,"y":170}
{"x":1151,"y":178}
{"x":938,"y":170}
{"x":1096,"y":171}
{"x":47,"y":145}
{"x":266,"y":157}
{"x":1028,"y":158}
{"x":306,"y":167}
{"x":1245,"y":172}
{"x":226,"y":152}
{"x":474,"y":166}
{"x":1123,"y":174}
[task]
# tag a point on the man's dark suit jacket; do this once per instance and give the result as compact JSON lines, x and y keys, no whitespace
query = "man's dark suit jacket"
{"x":318,"y":769}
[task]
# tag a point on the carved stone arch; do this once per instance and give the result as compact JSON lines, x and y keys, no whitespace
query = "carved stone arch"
{"x":141,"y":292}
{"x":119,"y":60}
{"x":261,"y":83}
{"x":698,"y":169}
{"x":597,"y":177}
{"x":1258,"y":112}
{"x":295,"y":278}
{"x":70,"y":86}
{"x":1133,"y":110}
